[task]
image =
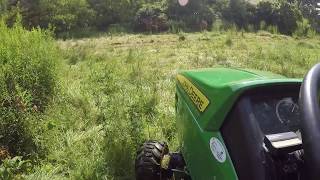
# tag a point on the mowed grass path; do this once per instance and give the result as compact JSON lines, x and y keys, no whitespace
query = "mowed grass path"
{"x":168,"y":53}
{"x":117,"y":91}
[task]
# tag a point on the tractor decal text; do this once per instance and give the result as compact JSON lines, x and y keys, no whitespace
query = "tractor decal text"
{"x":197,"y":97}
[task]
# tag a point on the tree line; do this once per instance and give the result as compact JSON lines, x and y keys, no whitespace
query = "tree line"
{"x":66,"y":16}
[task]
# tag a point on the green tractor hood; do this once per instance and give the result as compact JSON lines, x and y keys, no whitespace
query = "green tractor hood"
{"x":212,"y":92}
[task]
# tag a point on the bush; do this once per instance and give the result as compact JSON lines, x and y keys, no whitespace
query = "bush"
{"x":63,"y":15}
{"x":303,"y":28}
{"x":288,"y":15}
{"x":10,"y":167}
{"x":113,"y":12}
{"x":196,"y":15}
{"x":118,"y":28}
{"x":308,"y":10}
{"x":237,"y":13}
{"x":265,"y":13}
{"x":3,"y":7}
{"x":273,"y":29}
{"x":28,"y":81}
{"x":176,"y":26}
{"x":282,"y":14}
{"x":151,"y":17}
{"x":67,"y":15}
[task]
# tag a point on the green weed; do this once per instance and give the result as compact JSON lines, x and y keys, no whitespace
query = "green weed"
{"x":28,"y":78}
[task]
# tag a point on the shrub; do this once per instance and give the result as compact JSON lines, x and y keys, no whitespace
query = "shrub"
{"x":10,"y":167}
{"x":67,"y":15}
{"x":237,"y":13}
{"x":118,"y":28}
{"x":217,"y":25}
{"x":264,"y":13}
{"x":113,"y":12}
{"x":27,"y":83}
{"x":283,"y":14}
{"x":309,"y":11}
{"x":196,"y":15}
{"x":176,"y":26}
{"x":151,"y":17}
{"x":273,"y":29}
{"x":288,"y":15}
{"x":3,"y":7}
{"x":262,"y":25}
{"x":303,"y":28}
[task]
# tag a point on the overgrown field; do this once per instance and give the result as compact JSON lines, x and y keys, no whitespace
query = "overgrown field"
{"x":115,"y":91}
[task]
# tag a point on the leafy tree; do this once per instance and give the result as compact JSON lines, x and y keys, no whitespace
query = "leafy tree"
{"x":265,"y":12}
{"x":156,"y":15}
{"x":237,"y":12}
{"x":288,"y":15}
{"x":194,"y":13}
{"x":3,"y":7}
{"x":66,"y":15}
{"x":308,"y":9}
{"x":111,"y":11}
{"x":152,"y":17}
{"x":283,"y":14}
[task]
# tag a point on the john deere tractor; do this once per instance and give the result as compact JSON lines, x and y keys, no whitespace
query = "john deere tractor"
{"x":240,"y":124}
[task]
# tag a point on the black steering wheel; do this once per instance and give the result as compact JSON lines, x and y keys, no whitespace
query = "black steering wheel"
{"x":310,"y":123}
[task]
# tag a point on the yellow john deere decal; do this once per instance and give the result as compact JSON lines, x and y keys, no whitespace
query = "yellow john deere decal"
{"x":199,"y":99}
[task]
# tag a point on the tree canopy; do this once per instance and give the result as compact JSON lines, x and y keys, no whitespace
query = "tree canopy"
{"x":159,"y":15}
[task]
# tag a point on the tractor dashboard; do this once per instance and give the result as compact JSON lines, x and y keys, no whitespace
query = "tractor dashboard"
{"x":262,"y":120}
{"x":276,"y":114}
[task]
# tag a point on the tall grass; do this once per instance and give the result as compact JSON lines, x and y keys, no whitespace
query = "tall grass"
{"x":115,"y":93}
{"x":27,"y":83}
{"x":127,"y":84}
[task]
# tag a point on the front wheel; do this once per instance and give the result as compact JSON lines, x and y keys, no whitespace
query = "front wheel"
{"x":148,"y":161}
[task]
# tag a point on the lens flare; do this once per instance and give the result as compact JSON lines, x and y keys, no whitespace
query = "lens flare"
{"x":183,"y":2}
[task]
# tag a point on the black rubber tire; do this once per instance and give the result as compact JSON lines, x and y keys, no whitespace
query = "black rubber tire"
{"x":149,"y":156}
